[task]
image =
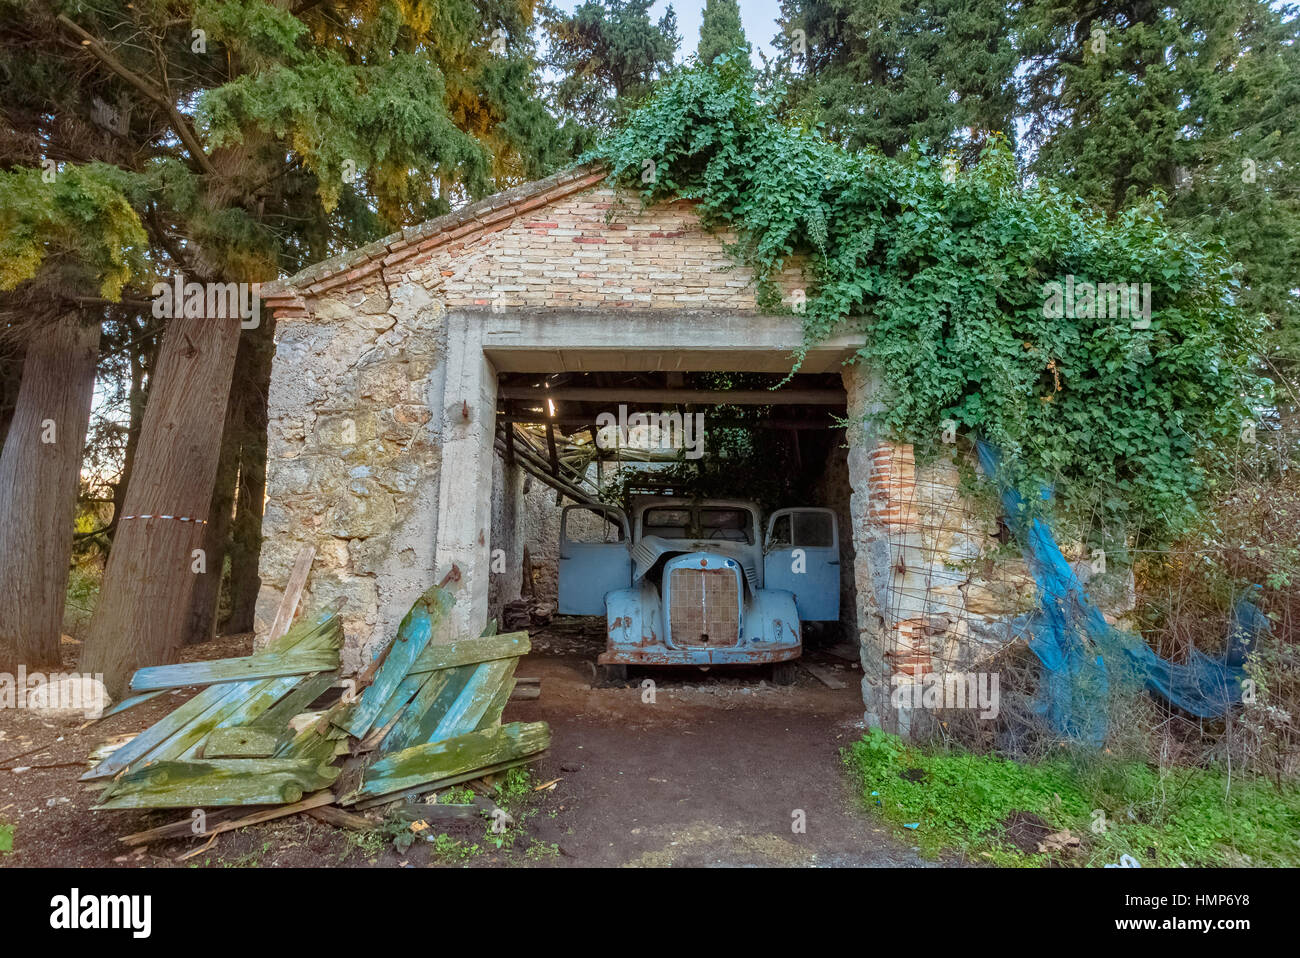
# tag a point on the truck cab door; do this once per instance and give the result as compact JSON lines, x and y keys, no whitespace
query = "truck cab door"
{"x":802,"y":556}
{"x":595,"y":557}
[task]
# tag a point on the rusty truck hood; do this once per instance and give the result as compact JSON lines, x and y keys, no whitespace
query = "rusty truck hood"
{"x":652,"y":548}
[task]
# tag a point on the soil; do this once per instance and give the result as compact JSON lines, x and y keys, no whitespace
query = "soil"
{"x":694,"y":768}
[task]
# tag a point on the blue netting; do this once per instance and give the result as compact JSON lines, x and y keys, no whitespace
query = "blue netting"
{"x":1083,"y":657}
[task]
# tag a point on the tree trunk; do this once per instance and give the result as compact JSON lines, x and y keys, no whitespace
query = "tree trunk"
{"x":145,"y":595}
{"x":40,"y":468}
{"x":137,"y":398}
{"x":11,"y":375}
{"x":202,"y":623}
{"x":246,"y":537}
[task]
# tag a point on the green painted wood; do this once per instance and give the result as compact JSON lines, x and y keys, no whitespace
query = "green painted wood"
{"x":246,"y":712}
{"x":435,"y":696}
{"x":468,"y":651}
{"x":183,"y":743}
{"x":311,"y":632}
{"x":421,"y":764}
{"x":167,"y":727}
{"x":472,"y":704}
{"x":310,"y":744}
{"x":400,"y":699}
{"x":234,"y":670}
{"x":412,"y":636}
{"x":300,"y":699}
{"x":489,"y":630}
{"x":242,"y":781}
{"x":246,"y":742}
{"x":202,"y":705}
{"x":492,"y":715}
{"x":414,"y":793}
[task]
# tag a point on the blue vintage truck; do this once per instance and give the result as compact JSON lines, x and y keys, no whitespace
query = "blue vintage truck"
{"x":692,"y":582}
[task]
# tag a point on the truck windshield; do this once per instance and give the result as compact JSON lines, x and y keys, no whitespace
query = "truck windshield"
{"x":734,"y":525}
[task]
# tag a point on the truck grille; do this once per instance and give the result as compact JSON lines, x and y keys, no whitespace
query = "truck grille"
{"x":705,"y":608}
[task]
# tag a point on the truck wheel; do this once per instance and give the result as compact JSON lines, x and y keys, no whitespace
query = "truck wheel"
{"x":611,"y":675}
{"x":784,"y":673}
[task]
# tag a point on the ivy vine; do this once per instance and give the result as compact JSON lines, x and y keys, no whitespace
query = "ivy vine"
{"x":943,"y":278}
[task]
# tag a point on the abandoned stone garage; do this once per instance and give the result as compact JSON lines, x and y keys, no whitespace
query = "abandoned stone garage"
{"x":436,"y":396}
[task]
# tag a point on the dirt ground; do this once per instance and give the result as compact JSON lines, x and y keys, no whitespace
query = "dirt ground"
{"x":697,"y":769}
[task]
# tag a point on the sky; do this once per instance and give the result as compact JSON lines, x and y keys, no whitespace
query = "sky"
{"x":757,"y":16}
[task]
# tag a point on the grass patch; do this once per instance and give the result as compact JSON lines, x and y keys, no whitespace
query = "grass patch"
{"x":1160,"y":816}
{"x":6,"y":839}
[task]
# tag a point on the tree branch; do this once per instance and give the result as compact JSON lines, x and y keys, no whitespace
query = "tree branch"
{"x":179,"y":121}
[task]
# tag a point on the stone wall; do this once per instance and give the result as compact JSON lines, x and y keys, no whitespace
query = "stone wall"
{"x":354,"y":441}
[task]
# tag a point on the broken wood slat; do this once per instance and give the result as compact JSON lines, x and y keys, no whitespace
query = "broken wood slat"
{"x":131,"y":703}
{"x":235,"y":781}
{"x":398,"y":701}
{"x":182,"y":828}
{"x":169,"y":725}
{"x":412,"y":793}
{"x":340,"y":818}
{"x":234,"y":670}
{"x":299,"y":700}
{"x":318,"y":800}
{"x":209,"y":701}
{"x":492,"y":715}
{"x":412,"y":636}
{"x":472,"y":706}
{"x":823,"y":675}
{"x":437,"y":761}
{"x":252,"y":706}
{"x":525,"y":693}
{"x":440,"y":813}
{"x":292,"y":592}
{"x":246,"y":742}
{"x":471,"y":651}
{"x":436,"y":695}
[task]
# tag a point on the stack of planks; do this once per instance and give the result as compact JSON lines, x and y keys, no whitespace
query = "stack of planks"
{"x":231,"y":744}
{"x":432,"y":711}
{"x":424,"y":715}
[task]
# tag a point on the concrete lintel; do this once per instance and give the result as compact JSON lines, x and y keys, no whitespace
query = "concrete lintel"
{"x":536,"y":340}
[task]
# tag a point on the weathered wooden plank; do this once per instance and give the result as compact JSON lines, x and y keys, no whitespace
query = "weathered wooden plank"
{"x":339,"y":818}
{"x":436,"y":761}
{"x":399,"y":700}
{"x":292,"y":592}
{"x":823,"y":675}
{"x":472,"y":705}
{"x":217,"y":782}
{"x":469,"y":651}
{"x":412,"y":636}
{"x":130,"y":703}
{"x":165,"y":728}
{"x":209,"y":699}
{"x":492,"y":716}
{"x":234,"y":670}
{"x":471,"y":776}
{"x":244,"y":742}
{"x":433,"y":698}
{"x":181,"y":828}
{"x":299,"y":700}
{"x":319,"y":800}
{"x":525,"y":693}
{"x":254,"y":704}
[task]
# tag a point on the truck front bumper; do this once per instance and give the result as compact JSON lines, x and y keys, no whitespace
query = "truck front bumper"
{"x":660,"y":655}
